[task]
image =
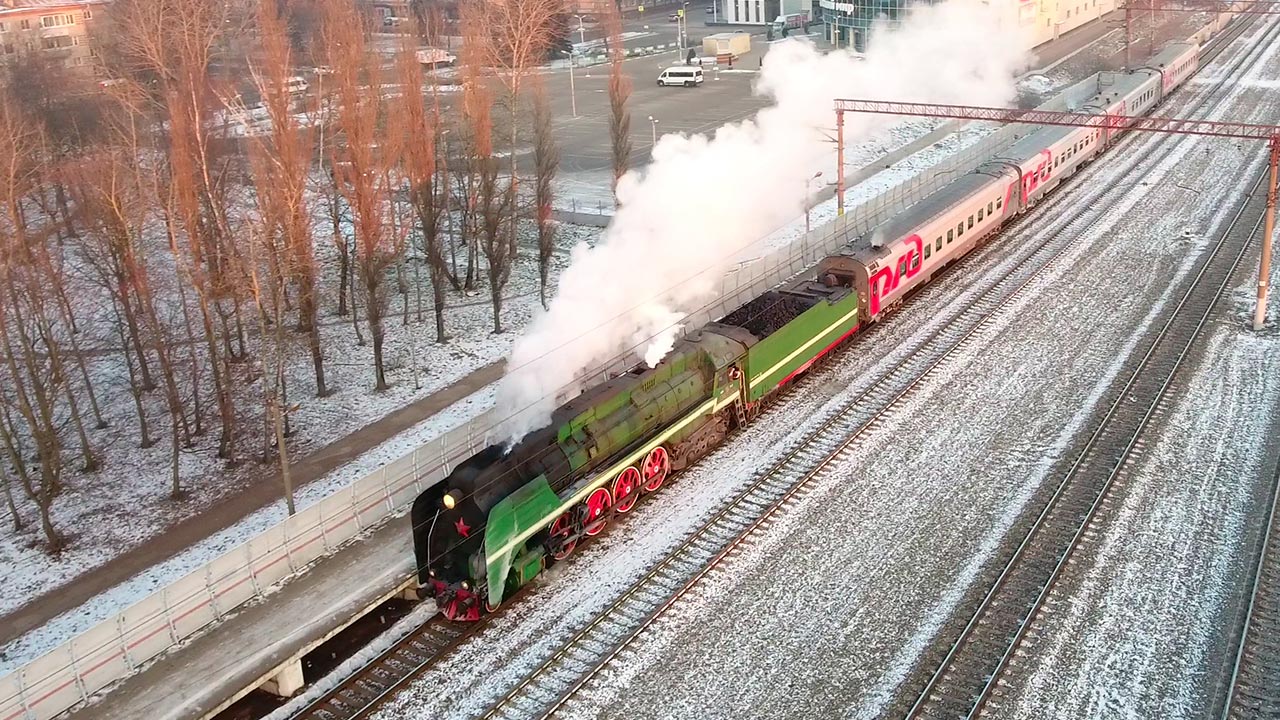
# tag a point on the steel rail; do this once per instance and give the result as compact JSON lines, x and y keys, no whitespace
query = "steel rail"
{"x":1256,"y":663}
{"x":980,"y":617}
{"x":1125,"y":397}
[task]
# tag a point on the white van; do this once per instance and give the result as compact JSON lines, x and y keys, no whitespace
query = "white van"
{"x":686,"y":76}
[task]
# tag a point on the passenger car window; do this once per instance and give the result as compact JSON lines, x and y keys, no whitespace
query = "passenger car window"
{"x":951,"y":235}
{"x":970,"y":221}
{"x":938,"y":244}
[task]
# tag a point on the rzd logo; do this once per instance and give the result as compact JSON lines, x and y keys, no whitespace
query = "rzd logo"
{"x":886,"y":279}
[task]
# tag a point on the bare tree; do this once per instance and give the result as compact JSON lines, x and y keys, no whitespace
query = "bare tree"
{"x":361,"y":162}
{"x":546,"y":162}
{"x":490,"y":199}
{"x":282,"y":178}
{"x":427,"y":184}
{"x":513,"y":37}
{"x":619,"y":93}
{"x":30,"y":397}
{"x":174,"y":42}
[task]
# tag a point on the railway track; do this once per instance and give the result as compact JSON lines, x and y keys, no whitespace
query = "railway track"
{"x":554,"y":685}
{"x":569,"y":668}
{"x":1254,"y":689}
{"x":967,"y":680}
{"x":377,"y":680}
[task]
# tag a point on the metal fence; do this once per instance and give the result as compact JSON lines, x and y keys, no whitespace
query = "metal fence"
{"x":118,"y":646}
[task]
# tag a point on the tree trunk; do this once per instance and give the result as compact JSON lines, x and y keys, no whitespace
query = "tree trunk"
{"x":9,"y":501}
{"x":226,"y":412}
{"x":175,"y":476}
{"x":373,"y":310}
{"x":135,"y":391}
{"x":437,"y":289}
{"x":309,"y":323}
{"x":197,"y":406}
{"x":283,"y":450}
{"x":355,"y":315}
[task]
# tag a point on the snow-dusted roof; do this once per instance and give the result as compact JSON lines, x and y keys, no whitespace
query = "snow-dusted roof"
{"x":17,"y":6}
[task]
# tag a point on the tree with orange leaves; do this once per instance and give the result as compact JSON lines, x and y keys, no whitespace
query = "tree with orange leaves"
{"x":363,"y":157}
{"x":619,"y":93}
{"x":281,"y":173}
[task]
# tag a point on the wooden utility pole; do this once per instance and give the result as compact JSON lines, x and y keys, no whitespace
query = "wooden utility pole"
{"x":1128,"y":34}
{"x":1268,"y":228}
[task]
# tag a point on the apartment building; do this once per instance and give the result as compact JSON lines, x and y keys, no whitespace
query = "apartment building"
{"x":58,"y":29}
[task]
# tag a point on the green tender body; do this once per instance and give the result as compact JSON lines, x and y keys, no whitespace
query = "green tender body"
{"x":799,"y":342}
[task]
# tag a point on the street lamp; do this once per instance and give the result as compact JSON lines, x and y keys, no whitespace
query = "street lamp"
{"x":573,"y":93}
{"x":807,"y":205}
{"x":653,"y":124}
{"x":682,"y":27}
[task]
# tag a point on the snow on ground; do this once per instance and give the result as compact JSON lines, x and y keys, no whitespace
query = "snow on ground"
{"x":1146,"y":630}
{"x":126,"y":503}
{"x":827,"y":612}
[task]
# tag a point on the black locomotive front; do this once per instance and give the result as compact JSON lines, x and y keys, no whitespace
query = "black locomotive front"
{"x":449,"y":518}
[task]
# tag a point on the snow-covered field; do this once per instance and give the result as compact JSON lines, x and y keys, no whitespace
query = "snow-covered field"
{"x":827,"y":613}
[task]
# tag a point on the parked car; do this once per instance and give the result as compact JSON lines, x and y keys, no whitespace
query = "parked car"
{"x":673,"y":17}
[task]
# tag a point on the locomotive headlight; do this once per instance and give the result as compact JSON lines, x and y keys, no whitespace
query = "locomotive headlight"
{"x":451,"y":498}
{"x":466,"y":585}
{"x":431,"y":572}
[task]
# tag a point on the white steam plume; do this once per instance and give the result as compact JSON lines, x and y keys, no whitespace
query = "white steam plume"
{"x":703,"y":201}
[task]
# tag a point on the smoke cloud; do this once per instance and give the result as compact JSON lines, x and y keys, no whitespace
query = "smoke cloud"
{"x":703,"y":201}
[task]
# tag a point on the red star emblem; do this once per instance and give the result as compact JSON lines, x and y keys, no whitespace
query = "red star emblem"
{"x":463,"y":529}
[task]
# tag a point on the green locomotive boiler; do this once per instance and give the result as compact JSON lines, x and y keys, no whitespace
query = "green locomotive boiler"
{"x":500,"y":517}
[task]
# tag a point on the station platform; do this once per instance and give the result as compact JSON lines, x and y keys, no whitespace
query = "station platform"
{"x":203,"y":677}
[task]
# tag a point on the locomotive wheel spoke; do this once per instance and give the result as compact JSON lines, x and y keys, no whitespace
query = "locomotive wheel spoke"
{"x":657,"y":465}
{"x":626,"y":489}
{"x":597,"y":511}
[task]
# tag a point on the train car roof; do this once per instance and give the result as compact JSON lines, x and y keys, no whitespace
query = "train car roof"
{"x":865,"y":249}
{"x":1171,"y":52}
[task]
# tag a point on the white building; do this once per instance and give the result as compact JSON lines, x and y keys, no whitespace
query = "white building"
{"x":847,"y":22}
